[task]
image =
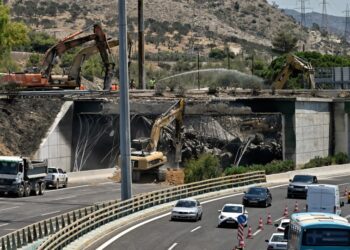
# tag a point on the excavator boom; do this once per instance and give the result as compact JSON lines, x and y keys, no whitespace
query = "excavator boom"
{"x":295,"y":63}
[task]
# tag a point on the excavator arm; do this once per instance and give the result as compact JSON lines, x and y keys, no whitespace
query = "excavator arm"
{"x":69,"y":43}
{"x":295,"y":63}
{"x":175,"y":112}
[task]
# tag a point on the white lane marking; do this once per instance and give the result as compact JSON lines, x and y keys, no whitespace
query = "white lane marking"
{"x":51,"y":213}
{"x":279,"y":219}
{"x":105,"y":183}
{"x":257,"y":231}
{"x":195,"y":229}
{"x":3,"y":209}
{"x":63,"y":198}
{"x":67,"y":188}
{"x":1,"y":225}
{"x":172,"y":246}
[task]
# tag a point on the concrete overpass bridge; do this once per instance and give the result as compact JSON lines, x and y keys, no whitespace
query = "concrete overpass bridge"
{"x":313,"y":123}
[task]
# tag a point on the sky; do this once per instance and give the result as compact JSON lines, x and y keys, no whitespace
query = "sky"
{"x":334,"y":7}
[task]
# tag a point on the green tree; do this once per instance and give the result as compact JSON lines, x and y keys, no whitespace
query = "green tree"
{"x":285,"y":39}
{"x":93,"y":67}
{"x":11,"y":34}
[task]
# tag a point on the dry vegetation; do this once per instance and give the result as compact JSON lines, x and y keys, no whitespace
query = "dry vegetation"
{"x":175,"y":25}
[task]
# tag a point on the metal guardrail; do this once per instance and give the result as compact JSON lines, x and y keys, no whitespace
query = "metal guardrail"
{"x":61,"y":230}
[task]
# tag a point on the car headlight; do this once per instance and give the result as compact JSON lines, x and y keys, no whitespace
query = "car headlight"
{"x":222,"y":217}
{"x":245,"y":198}
{"x":291,"y":186}
{"x":306,"y":187}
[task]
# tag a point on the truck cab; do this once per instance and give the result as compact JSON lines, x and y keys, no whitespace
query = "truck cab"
{"x":21,"y":176}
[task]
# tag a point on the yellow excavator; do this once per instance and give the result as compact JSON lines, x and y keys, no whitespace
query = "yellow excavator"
{"x":144,"y":154}
{"x":295,"y":63}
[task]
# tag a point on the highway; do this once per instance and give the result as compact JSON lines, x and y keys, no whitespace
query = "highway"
{"x":163,"y":234}
{"x":16,"y":213}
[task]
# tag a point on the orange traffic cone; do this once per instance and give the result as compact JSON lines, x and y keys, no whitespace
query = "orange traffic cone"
{"x":269,"y":219}
{"x":241,"y":244}
{"x":261,"y":225}
{"x":296,"y":207}
{"x":250,"y":233}
{"x":285,"y":214}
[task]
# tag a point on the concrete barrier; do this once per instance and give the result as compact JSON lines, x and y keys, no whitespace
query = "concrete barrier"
{"x":89,"y":176}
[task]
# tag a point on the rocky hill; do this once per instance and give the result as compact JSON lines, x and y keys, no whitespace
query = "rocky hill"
{"x":171,"y":25}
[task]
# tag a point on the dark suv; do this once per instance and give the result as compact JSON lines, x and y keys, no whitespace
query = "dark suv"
{"x":298,"y":186}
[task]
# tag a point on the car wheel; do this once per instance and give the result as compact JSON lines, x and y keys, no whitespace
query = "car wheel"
{"x":57,"y":184}
{"x":65,"y":183}
{"x":200,"y":218}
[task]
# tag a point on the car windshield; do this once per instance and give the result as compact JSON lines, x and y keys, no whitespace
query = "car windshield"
{"x":278,"y":238}
{"x":183,"y":203}
{"x":257,"y":191}
{"x":232,"y":209}
{"x":303,"y":178}
{"x":284,"y":224}
{"x":52,"y":170}
{"x":8,"y":167}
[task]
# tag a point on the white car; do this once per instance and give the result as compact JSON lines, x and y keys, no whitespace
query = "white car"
{"x":229,"y":214}
{"x":187,"y":209}
{"x":277,"y":242}
{"x":282,"y":225}
{"x":56,"y":177}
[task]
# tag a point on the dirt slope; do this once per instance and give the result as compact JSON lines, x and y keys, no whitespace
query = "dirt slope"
{"x":23,"y":124}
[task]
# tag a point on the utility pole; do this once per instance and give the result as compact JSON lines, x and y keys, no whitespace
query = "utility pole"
{"x":124,"y":118}
{"x":141,"y":57}
{"x":302,"y":13}
{"x":347,"y":23}
{"x":324,"y":22}
{"x":198,"y":66}
{"x":228,"y":58}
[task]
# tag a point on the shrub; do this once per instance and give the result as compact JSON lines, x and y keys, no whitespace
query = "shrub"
{"x":270,"y":168}
{"x":207,"y":166}
{"x":316,"y":162}
{"x":341,"y":158}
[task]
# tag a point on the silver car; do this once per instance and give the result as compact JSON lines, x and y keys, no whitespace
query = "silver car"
{"x":187,"y":209}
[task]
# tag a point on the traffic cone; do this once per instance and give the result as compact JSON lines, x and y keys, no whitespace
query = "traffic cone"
{"x":296,"y":207}
{"x":285,"y":214}
{"x":269,"y":219}
{"x":250,"y":233}
{"x":241,"y":244}
{"x":261,"y":225}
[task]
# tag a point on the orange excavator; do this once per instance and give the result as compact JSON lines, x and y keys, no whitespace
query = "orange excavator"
{"x":46,"y":80}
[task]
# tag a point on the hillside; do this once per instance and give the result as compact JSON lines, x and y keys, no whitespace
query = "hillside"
{"x":171,"y":25}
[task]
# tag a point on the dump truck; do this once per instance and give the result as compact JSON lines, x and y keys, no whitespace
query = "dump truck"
{"x":21,"y":176}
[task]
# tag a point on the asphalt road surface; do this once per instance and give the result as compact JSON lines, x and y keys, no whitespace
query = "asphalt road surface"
{"x":164,"y":234}
{"x":16,"y":213}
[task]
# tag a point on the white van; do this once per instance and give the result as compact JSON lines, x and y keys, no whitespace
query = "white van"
{"x":323,"y":198}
